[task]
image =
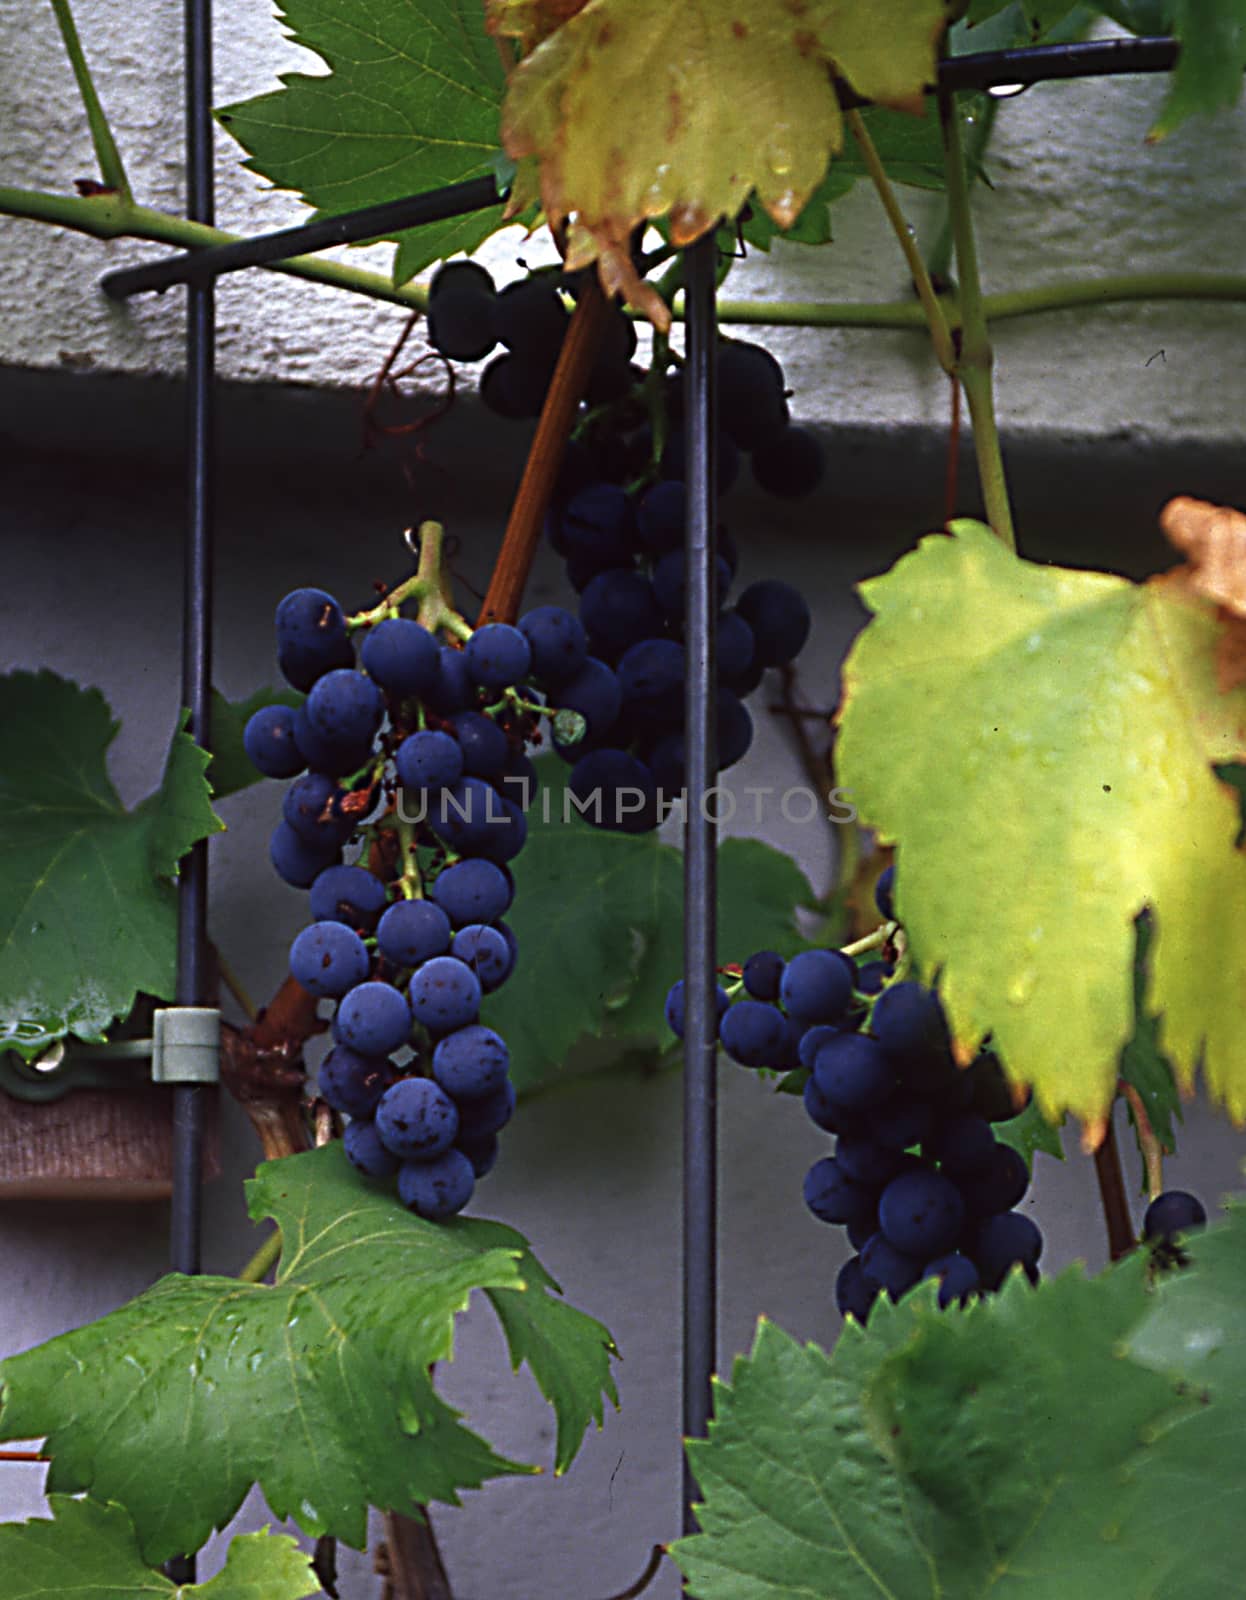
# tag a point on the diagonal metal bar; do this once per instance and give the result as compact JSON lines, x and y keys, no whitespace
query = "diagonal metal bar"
{"x":351,"y":227}
{"x":700,"y":1138}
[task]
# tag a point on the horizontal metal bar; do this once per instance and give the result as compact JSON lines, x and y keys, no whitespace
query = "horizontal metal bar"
{"x":1041,"y":63}
{"x":351,"y":227}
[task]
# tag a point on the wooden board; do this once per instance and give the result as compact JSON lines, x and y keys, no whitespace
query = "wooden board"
{"x":97,"y":1144}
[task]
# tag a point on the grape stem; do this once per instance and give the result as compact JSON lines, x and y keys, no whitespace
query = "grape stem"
{"x":1148,"y":1141}
{"x":429,"y":585}
{"x":940,"y":333}
{"x":872,"y":941}
{"x":410,"y":882}
{"x":974,"y":356}
{"x":263,"y":1261}
{"x":112,"y":168}
{"x":1121,"y":1237}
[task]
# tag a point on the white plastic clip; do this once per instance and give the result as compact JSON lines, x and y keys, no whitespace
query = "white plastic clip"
{"x":186,"y":1045}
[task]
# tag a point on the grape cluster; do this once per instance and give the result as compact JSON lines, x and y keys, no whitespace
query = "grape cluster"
{"x":917,"y":1176}
{"x":624,"y":555}
{"x":468,"y":318}
{"x":420,"y":745}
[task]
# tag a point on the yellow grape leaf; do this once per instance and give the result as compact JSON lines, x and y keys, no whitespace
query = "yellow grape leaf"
{"x":639,"y":108}
{"x":1038,"y":743}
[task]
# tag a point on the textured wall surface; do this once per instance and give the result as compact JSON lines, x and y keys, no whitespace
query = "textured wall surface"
{"x":1076,"y":193}
{"x":93,"y":509}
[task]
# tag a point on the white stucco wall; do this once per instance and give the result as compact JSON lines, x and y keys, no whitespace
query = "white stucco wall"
{"x":1077,"y":192}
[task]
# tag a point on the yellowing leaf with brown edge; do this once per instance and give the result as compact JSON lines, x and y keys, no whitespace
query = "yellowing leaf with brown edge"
{"x":639,"y":108}
{"x":1213,"y":539}
{"x":529,"y":21}
{"x":1038,"y":744}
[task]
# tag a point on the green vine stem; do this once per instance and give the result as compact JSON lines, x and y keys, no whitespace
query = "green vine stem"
{"x":112,"y":168}
{"x":409,"y":882}
{"x":974,"y":363}
{"x":263,"y":1261}
{"x":429,"y":586}
{"x":932,"y":308}
{"x":107,"y":216}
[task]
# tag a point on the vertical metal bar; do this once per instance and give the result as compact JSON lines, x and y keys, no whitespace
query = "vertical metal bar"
{"x":189,"y":1100}
{"x":700,"y":859}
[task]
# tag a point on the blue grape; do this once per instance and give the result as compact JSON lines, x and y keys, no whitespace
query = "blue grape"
{"x":595,"y":692}
{"x":488,"y":1114}
{"x":964,"y":1144}
{"x":854,"y":1293}
{"x":884,"y":893}
{"x":514,"y":389}
{"x":827,"y":1115}
{"x":352,"y":1083}
{"x":660,"y":516}
{"x":413,"y":931}
{"x":373,"y":1019}
{"x":461,"y":323}
{"x":558,"y":643}
{"x":295,"y":860}
{"x":459,"y":275}
{"x":312,"y":807}
{"x":651,"y":680}
{"x":674,"y":1010}
{"x":618,"y":609}
{"x":269,"y":742}
{"x":615,"y":790}
{"x":1174,"y":1211}
{"x":352,"y":895}
{"x":908,"y":1022}
{"x":832,"y":1195}
{"x":863,"y":1228}
{"x":817,"y":986}
{"x":735,"y":729}
{"x":519,"y":779}
{"x":437,"y":1189}
{"x":736,"y":647}
{"x":336,"y":756}
{"x":482,"y":742}
{"x":531,"y":321}
{"x":901,"y":1121}
{"x":365,"y":1152}
{"x":344,"y":706}
{"x":958,"y":1279}
{"x":429,"y":759}
{"x":474,"y":819}
{"x":790,"y":463}
{"x":473,"y":891}
{"x":888,"y":1267}
{"x":445,"y":994}
{"x":670,"y":583}
{"x":498,"y":656}
{"x":999,"y":1185}
{"x":812,"y":1041}
{"x":416,"y":1119}
{"x":675,"y":459}
{"x":328,"y":959}
{"x":1003,"y":1241}
{"x":780,"y":620}
{"x":486,"y":952}
{"x":867,"y":1162}
{"x":596,"y":523}
{"x":452,"y":690}
{"x":471,"y":1062}
{"x":400,"y":656}
{"x":991,"y":1094}
{"x":751,"y":400}
{"x":482,"y":1152}
{"x":854,"y":1073}
{"x":752,"y":1033}
{"x":922,"y":1213}
{"x":311,"y":636}
{"x":872,"y":978}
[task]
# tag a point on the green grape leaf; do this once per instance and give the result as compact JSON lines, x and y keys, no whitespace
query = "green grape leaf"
{"x":89,"y":1550}
{"x":582,"y":104}
{"x":1208,"y":74}
{"x":231,"y":768}
{"x":1030,"y":1132}
{"x":155,"y":1405}
{"x":1034,"y":18}
{"x":410,"y":104}
{"x":1036,"y":1446}
{"x":1143,"y":1064}
{"x":87,"y":912}
{"x":599,"y":919}
{"x":1060,"y":727}
{"x":1147,"y":18}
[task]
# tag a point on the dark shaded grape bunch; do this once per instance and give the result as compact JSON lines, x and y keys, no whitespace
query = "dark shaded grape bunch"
{"x":419,"y":746}
{"x":916,"y":1176}
{"x":468,"y":318}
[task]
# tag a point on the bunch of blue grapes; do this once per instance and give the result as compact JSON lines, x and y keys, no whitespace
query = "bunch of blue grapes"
{"x":917,"y":1176}
{"x":420,"y":747}
{"x":469,"y":318}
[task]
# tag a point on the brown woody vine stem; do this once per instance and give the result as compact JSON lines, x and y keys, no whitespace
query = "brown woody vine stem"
{"x":1121,"y":1237}
{"x":1152,"y":1149}
{"x":536,"y":487}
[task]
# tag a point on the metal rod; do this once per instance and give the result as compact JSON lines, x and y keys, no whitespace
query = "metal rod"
{"x":700,"y":860}
{"x":351,"y":227}
{"x":988,"y":69}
